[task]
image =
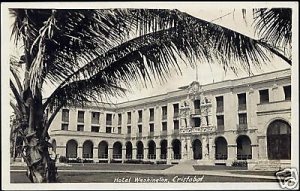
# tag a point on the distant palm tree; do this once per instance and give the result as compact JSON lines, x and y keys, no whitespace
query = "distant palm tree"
{"x":89,"y":54}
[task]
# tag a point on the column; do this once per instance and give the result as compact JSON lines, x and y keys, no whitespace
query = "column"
{"x":146,"y":153}
{"x":110,"y":152}
{"x":231,"y":154}
{"x":189,"y":151}
{"x":157,"y":153}
{"x":95,"y":154}
{"x":169,"y":155}
{"x":255,"y":149}
{"x":205,"y":153}
{"x":262,"y":147}
{"x":134,"y":153}
{"x":79,"y":151}
{"x":123,"y":154}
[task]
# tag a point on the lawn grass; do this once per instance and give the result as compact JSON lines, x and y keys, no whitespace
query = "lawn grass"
{"x":105,"y":177}
{"x":104,"y":166}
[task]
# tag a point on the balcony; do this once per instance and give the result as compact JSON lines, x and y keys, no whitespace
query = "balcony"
{"x":198,"y":130}
{"x":242,"y":107}
{"x":140,"y":120}
{"x":270,"y":107}
{"x":95,"y":121}
{"x":151,"y":134}
{"x":163,"y":132}
{"x":176,"y":115}
{"x":108,"y":122}
{"x":242,"y":127}
{"x":164,"y":117}
{"x":220,"y":109}
{"x":220,"y":128}
{"x":151,"y":119}
{"x":197,"y":111}
{"x":175,"y":131}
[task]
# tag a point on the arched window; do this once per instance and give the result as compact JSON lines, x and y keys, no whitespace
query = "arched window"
{"x":197,"y":149}
{"x":279,"y":140}
{"x":221,"y":148}
{"x":244,"y":149}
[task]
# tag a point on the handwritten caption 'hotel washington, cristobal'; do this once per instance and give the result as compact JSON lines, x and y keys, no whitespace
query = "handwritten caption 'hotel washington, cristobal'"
{"x":175,"y":179}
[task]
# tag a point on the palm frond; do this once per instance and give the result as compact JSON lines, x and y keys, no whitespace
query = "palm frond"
{"x":274,"y":25}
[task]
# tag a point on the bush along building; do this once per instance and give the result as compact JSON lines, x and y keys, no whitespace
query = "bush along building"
{"x":245,"y":121}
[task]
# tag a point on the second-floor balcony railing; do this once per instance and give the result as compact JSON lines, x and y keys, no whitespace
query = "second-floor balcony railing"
{"x":164,"y":117}
{"x":242,"y":107}
{"x":108,"y":122}
{"x":175,"y":131}
{"x":176,"y":114}
{"x":220,"y":109}
{"x":151,"y":156}
{"x":220,"y":128}
{"x":163,"y":132}
{"x":151,"y":118}
{"x":103,"y":156}
{"x":242,"y":127}
{"x":151,"y":134}
{"x":197,"y":111}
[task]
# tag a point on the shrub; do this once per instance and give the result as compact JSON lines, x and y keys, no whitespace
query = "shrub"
{"x":63,"y":159}
{"x":239,"y":164}
{"x":161,"y":162}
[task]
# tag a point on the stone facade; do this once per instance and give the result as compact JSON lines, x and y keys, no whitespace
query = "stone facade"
{"x":212,"y":124}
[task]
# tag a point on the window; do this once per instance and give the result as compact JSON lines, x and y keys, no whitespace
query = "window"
{"x":108,"y":119}
{"x":95,"y":128}
{"x":64,"y":127}
{"x":197,"y":106}
{"x":164,"y":112}
{"x":128,"y":129}
{"x":164,"y":126}
{"x":95,"y":117}
{"x":80,"y":127}
{"x":151,"y":127}
{"x":264,"y":96}
{"x":197,"y":122}
{"x":119,"y":119}
{"x":128,"y":117}
{"x":140,"y":127}
{"x":108,"y":130}
{"x":242,"y":101}
{"x":287,"y":92}
{"x":119,"y":130}
{"x":176,"y":124}
{"x":151,"y":114}
{"x":220,"y":122}
{"x":242,"y":118}
{"x":140,"y":113}
{"x":220,"y":104}
{"x":80,"y":118}
{"x":65,"y":115}
{"x":176,"y":110}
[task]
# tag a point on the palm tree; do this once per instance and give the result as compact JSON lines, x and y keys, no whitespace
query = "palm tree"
{"x":89,"y":54}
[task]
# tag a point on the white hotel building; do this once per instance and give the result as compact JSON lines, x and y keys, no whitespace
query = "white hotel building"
{"x":214,"y":124}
